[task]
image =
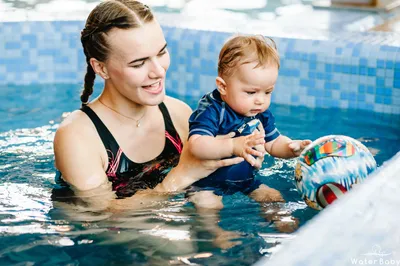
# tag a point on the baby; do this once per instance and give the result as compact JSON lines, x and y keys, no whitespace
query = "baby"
{"x":247,"y":73}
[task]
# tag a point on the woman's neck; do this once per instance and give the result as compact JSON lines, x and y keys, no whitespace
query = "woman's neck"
{"x":122,"y":106}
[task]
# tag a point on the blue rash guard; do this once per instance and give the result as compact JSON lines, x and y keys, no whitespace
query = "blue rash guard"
{"x":214,"y":117}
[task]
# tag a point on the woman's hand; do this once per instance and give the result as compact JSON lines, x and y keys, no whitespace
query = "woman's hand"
{"x":191,"y":169}
{"x":202,"y":168}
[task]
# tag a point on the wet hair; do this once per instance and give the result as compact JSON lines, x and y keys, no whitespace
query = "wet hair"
{"x":121,"y":14}
{"x":242,"y":49}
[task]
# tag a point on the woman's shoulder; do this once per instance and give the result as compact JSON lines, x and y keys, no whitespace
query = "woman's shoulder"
{"x":180,"y":113}
{"x":177,"y":107}
{"x":176,"y":104}
{"x":75,"y":125}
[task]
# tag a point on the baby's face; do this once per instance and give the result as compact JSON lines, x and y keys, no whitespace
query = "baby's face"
{"x":249,"y":89}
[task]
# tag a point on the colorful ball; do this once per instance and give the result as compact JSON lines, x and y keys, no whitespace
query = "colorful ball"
{"x":329,"y":167}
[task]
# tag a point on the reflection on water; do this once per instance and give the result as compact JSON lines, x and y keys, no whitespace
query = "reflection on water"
{"x":169,"y":232}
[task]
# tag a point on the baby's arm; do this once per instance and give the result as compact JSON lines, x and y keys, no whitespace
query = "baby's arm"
{"x":209,"y":147}
{"x":284,"y":147}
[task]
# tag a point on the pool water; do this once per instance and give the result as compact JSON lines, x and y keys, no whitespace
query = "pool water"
{"x":35,"y":229}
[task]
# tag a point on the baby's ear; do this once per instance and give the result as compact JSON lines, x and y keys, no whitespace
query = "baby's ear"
{"x":221,"y":85}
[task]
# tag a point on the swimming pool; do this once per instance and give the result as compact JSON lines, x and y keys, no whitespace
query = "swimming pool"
{"x":354,"y":76}
{"x":36,"y":229}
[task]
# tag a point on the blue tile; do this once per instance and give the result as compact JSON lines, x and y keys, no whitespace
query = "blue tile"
{"x":31,"y":39}
{"x":354,"y":70}
{"x":196,"y":80}
{"x":328,"y":86}
{"x":387,"y":91}
{"x":352,"y":96}
{"x":396,"y":83}
{"x":65,"y":75}
{"x":46,"y":52}
{"x":337,"y":68}
{"x":361,"y":88}
{"x":313,"y":57}
{"x":363,"y":61}
{"x":196,"y":49}
{"x":371,"y":89}
{"x":333,"y":103}
{"x":315,"y":42}
{"x":175,"y":84}
{"x":380,"y":63}
{"x":25,"y":54}
{"x":371,"y":71}
{"x":12,"y":45}
{"x":320,"y":103}
{"x":312,"y":75}
{"x":289,"y":72}
{"x":397,"y":65}
{"x":320,"y":75}
{"x":378,"y":99}
{"x":327,"y":93}
{"x":397,"y":74}
{"x":43,"y":76}
{"x":307,"y":83}
{"x":389,"y":64}
{"x":363,"y":71}
{"x":380,"y":90}
{"x":387,"y":100}
{"x":335,"y":86}
{"x":361,"y":97}
{"x":344,"y":95}
{"x":346,"y":69}
{"x":73,"y":43}
{"x":380,"y":82}
{"x":339,"y":50}
{"x":356,"y":52}
{"x":386,"y":48}
{"x":21,"y":67}
{"x":312,"y":65}
{"x":294,"y":99}
{"x":61,"y":60}
{"x":328,"y":68}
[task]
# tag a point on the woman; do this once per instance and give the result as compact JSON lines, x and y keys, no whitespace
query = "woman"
{"x":132,"y":134}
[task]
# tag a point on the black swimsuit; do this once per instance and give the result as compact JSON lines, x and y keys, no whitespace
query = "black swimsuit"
{"x":126,"y":176}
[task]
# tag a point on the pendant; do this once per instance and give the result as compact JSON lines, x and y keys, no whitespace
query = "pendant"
{"x":138,"y":123}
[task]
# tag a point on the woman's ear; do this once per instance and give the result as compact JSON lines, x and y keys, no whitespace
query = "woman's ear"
{"x":221,"y":85}
{"x":99,"y":68}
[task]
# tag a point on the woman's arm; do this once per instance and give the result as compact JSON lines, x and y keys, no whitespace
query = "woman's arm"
{"x":77,"y":153}
{"x":208,"y":147}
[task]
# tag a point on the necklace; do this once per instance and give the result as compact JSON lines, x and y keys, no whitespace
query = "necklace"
{"x":136,"y":120}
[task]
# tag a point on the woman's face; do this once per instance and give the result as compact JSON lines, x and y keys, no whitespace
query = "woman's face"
{"x":138,"y":62}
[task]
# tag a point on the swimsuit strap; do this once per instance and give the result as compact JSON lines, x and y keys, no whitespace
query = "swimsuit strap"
{"x":169,"y":126}
{"x":102,"y":130}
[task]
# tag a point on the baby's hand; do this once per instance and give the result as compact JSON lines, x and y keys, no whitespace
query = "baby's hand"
{"x":243,"y":147}
{"x":297,"y":146}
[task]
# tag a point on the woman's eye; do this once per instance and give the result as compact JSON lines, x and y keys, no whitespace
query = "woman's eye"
{"x":250,"y":92}
{"x":268,"y":92}
{"x":163,"y":52}
{"x":138,"y":66}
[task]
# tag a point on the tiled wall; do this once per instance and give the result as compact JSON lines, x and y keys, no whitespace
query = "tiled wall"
{"x":313,"y":73}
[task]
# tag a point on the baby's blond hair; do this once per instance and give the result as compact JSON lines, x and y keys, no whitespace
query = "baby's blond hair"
{"x":242,"y":49}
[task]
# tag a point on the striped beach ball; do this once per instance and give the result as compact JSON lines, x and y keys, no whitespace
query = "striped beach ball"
{"x":329,"y":167}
